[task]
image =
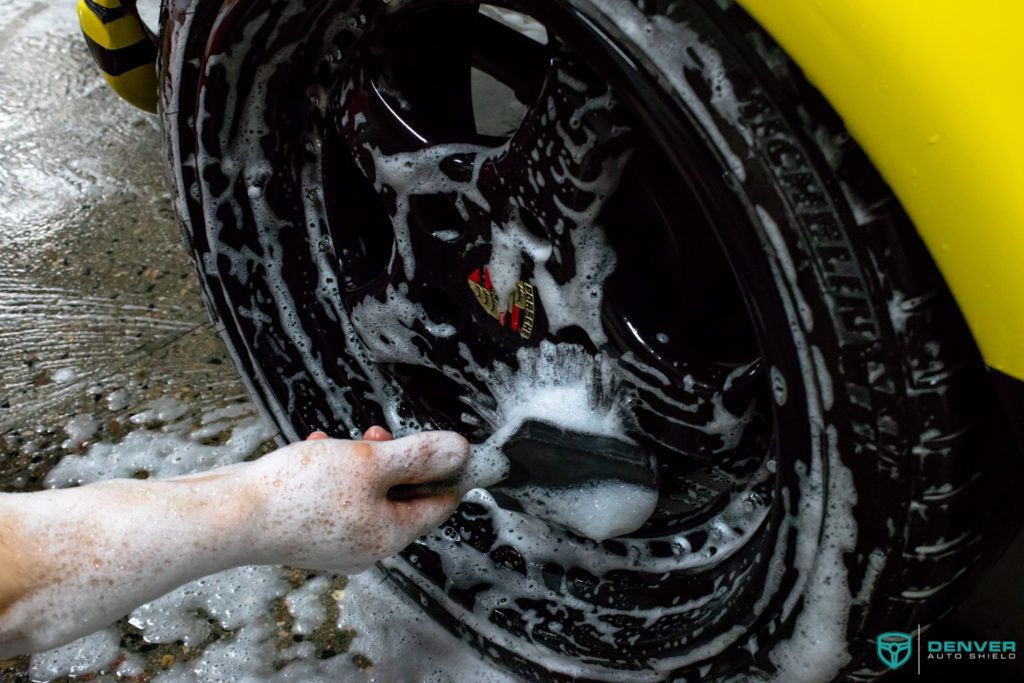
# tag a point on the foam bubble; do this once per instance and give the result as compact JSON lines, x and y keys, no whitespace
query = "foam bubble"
{"x":85,"y":655}
{"x":80,"y":429}
{"x":64,"y":375}
{"x":599,"y":510}
{"x":165,"y":409}
{"x":559,"y":384}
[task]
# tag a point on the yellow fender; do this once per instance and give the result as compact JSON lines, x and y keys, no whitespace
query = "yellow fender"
{"x":933,"y":90}
{"x":123,"y":49}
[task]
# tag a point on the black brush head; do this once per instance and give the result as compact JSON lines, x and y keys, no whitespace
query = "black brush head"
{"x":547,"y":456}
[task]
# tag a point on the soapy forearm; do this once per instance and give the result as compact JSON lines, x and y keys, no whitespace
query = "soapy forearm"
{"x":78,"y":559}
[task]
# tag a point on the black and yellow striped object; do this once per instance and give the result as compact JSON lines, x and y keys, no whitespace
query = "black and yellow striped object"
{"x":122,"y":47}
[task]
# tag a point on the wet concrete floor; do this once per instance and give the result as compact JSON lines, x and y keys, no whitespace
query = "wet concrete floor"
{"x":99,"y":311}
{"x":95,"y":289}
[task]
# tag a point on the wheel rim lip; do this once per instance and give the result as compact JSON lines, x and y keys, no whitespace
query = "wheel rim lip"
{"x":757,"y":318}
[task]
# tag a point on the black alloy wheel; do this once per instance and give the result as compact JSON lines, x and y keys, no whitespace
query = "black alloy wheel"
{"x":420,"y":213}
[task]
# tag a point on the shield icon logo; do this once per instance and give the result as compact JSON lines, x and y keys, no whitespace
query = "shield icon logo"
{"x":894,"y":648}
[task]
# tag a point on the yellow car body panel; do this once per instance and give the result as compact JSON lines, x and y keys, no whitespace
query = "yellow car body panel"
{"x":933,"y":90}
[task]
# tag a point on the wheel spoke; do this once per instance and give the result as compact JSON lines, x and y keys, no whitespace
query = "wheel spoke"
{"x":370,"y":123}
{"x":429,"y":71}
{"x":703,"y":413}
{"x":514,"y":59}
{"x":408,"y":94}
{"x":567,"y":155}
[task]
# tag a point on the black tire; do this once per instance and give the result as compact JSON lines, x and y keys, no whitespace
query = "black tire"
{"x":884,"y":419}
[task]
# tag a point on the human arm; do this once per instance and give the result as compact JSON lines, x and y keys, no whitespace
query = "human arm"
{"x":74,"y":560}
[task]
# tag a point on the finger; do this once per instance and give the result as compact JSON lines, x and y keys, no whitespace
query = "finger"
{"x":425,"y":514}
{"x":317,"y":436}
{"x":421,"y":458}
{"x":376,"y":433}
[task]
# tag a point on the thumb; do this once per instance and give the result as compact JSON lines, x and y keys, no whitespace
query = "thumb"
{"x":421,"y":458}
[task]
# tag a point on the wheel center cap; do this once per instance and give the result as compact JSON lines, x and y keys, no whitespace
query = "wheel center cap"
{"x":520,"y":312}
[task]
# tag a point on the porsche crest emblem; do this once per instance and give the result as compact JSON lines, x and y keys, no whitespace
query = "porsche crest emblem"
{"x":521,"y":311}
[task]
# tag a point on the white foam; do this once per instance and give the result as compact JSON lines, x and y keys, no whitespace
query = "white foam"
{"x":80,"y":429}
{"x":386,"y":327}
{"x":418,"y":173}
{"x":559,"y":384}
{"x":118,"y":400}
{"x":818,"y":648}
{"x":674,"y":48}
{"x":579,"y":301}
{"x":64,"y":375}
{"x":388,"y":628}
{"x":392,"y":635}
{"x":159,"y":454}
{"x":599,"y":510}
{"x":403,"y":643}
{"x":238,"y":599}
{"x":85,"y":655}
{"x":306,"y":607}
{"x":165,"y":410}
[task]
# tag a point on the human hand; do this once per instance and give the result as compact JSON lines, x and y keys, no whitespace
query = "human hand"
{"x":325,"y":502}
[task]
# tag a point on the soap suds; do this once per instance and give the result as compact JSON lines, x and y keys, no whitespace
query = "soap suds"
{"x":565,"y":386}
{"x":675,"y":49}
{"x":599,"y":510}
{"x":80,"y":429}
{"x":159,"y":454}
{"x":84,"y":656}
{"x":160,"y":410}
{"x":65,"y":375}
{"x":559,"y":384}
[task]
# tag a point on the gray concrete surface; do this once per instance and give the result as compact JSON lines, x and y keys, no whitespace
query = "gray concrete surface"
{"x":99,"y":313}
{"x":95,"y":290}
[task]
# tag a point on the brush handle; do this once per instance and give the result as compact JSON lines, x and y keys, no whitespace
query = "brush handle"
{"x":409,"y":492}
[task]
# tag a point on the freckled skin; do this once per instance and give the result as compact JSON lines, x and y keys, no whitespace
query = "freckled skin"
{"x":14,"y":581}
{"x":101,"y":550}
